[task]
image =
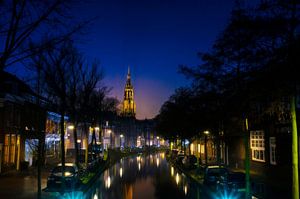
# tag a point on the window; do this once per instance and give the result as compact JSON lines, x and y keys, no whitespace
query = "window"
{"x":6,"y":148}
{"x":9,"y":148}
{"x":273,"y":150}
{"x":257,"y":140}
{"x":12,"y":148}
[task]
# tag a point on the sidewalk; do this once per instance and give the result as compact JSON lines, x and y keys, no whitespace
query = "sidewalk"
{"x":21,"y":184}
{"x":272,"y":185}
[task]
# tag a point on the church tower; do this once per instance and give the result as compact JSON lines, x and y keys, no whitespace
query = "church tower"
{"x":128,"y":103}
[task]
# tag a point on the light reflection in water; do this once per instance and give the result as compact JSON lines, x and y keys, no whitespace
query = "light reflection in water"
{"x":115,"y":184}
{"x":177,"y":178}
{"x":107,"y":179}
{"x":121,"y":172}
{"x":95,"y":196}
{"x":128,"y":194}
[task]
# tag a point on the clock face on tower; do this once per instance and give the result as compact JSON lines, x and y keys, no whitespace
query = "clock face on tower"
{"x":128,"y":102}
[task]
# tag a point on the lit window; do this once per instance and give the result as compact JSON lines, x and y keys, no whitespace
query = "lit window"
{"x":273,"y":150}
{"x":257,"y":140}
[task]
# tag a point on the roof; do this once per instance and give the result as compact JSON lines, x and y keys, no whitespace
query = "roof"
{"x":10,"y":83}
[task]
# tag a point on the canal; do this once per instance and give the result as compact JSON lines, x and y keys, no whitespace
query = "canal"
{"x":143,"y":176}
{"x":140,"y":177}
{"x":152,"y":177}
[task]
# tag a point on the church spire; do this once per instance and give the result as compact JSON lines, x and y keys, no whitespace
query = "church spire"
{"x":128,"y":73}
{"x":128,"y":102}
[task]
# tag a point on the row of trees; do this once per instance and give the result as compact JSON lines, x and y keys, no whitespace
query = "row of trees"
{"x":41,"y":35}
{"x":74,"y":88}
{"x":251,"y":67}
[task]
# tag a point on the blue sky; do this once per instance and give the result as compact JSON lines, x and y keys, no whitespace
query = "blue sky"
{"x":153,"y":37}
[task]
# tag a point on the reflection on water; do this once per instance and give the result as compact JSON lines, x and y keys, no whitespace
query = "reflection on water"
{"x":141,"y":176}
{"x":121,"y":172}
{"x":149,"y":177}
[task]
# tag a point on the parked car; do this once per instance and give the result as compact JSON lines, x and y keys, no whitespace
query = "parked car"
{"x":179,"y":159}
{"x":180,"y":152}
{"x":190,"y":162}
{"x":174,"y":153}
{"x":213,"y":175}
{"x":93,"y":160}
{"x":234,"y":183}
{"x":71,"y":176}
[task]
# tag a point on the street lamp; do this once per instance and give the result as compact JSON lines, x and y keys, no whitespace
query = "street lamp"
{"x":206,"y":133}
{"x":71,"y":127}
{"x":121,"y":137}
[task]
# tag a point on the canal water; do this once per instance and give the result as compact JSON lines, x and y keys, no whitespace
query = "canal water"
{"x":151,"y":177}
{"x":140,"y":177}
{"x":143,"y":177}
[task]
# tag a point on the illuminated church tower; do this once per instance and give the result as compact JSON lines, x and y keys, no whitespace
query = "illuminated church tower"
{"x":128,"y":103}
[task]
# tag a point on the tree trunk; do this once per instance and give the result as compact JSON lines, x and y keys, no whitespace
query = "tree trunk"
{"x":86,"y":142}
{"x":205,"y":149}
{"x":62,"y":141}
{"x":94,"y":141}
{"x":76,"y":145}
{"x":218,"y":149}
{"x":247,"y":160}
{"x":40,"y":147}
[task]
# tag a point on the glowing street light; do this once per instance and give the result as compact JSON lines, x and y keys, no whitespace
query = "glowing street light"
{"x":71,"y":127}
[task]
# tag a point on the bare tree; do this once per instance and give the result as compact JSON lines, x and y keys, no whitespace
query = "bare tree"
{"x":91,"y":77}
{"x":54,"y":68}
{"x":73,"y":96}
{"x":26,"y":24}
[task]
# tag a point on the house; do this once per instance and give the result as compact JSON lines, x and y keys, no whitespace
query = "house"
{"x":270,"y":146}
{"x":22,"y":121}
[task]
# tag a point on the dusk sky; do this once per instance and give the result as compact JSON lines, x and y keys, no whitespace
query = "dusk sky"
{"x":153,"y":37}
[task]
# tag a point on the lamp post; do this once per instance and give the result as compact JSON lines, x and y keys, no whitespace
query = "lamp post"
{"x":121,"y":136}
{"x":205,"y":145}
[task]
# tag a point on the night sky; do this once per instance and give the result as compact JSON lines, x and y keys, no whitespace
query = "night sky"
{"x":153,"y":37}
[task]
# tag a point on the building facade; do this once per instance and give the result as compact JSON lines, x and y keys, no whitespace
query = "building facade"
{"x":22,"y":122}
